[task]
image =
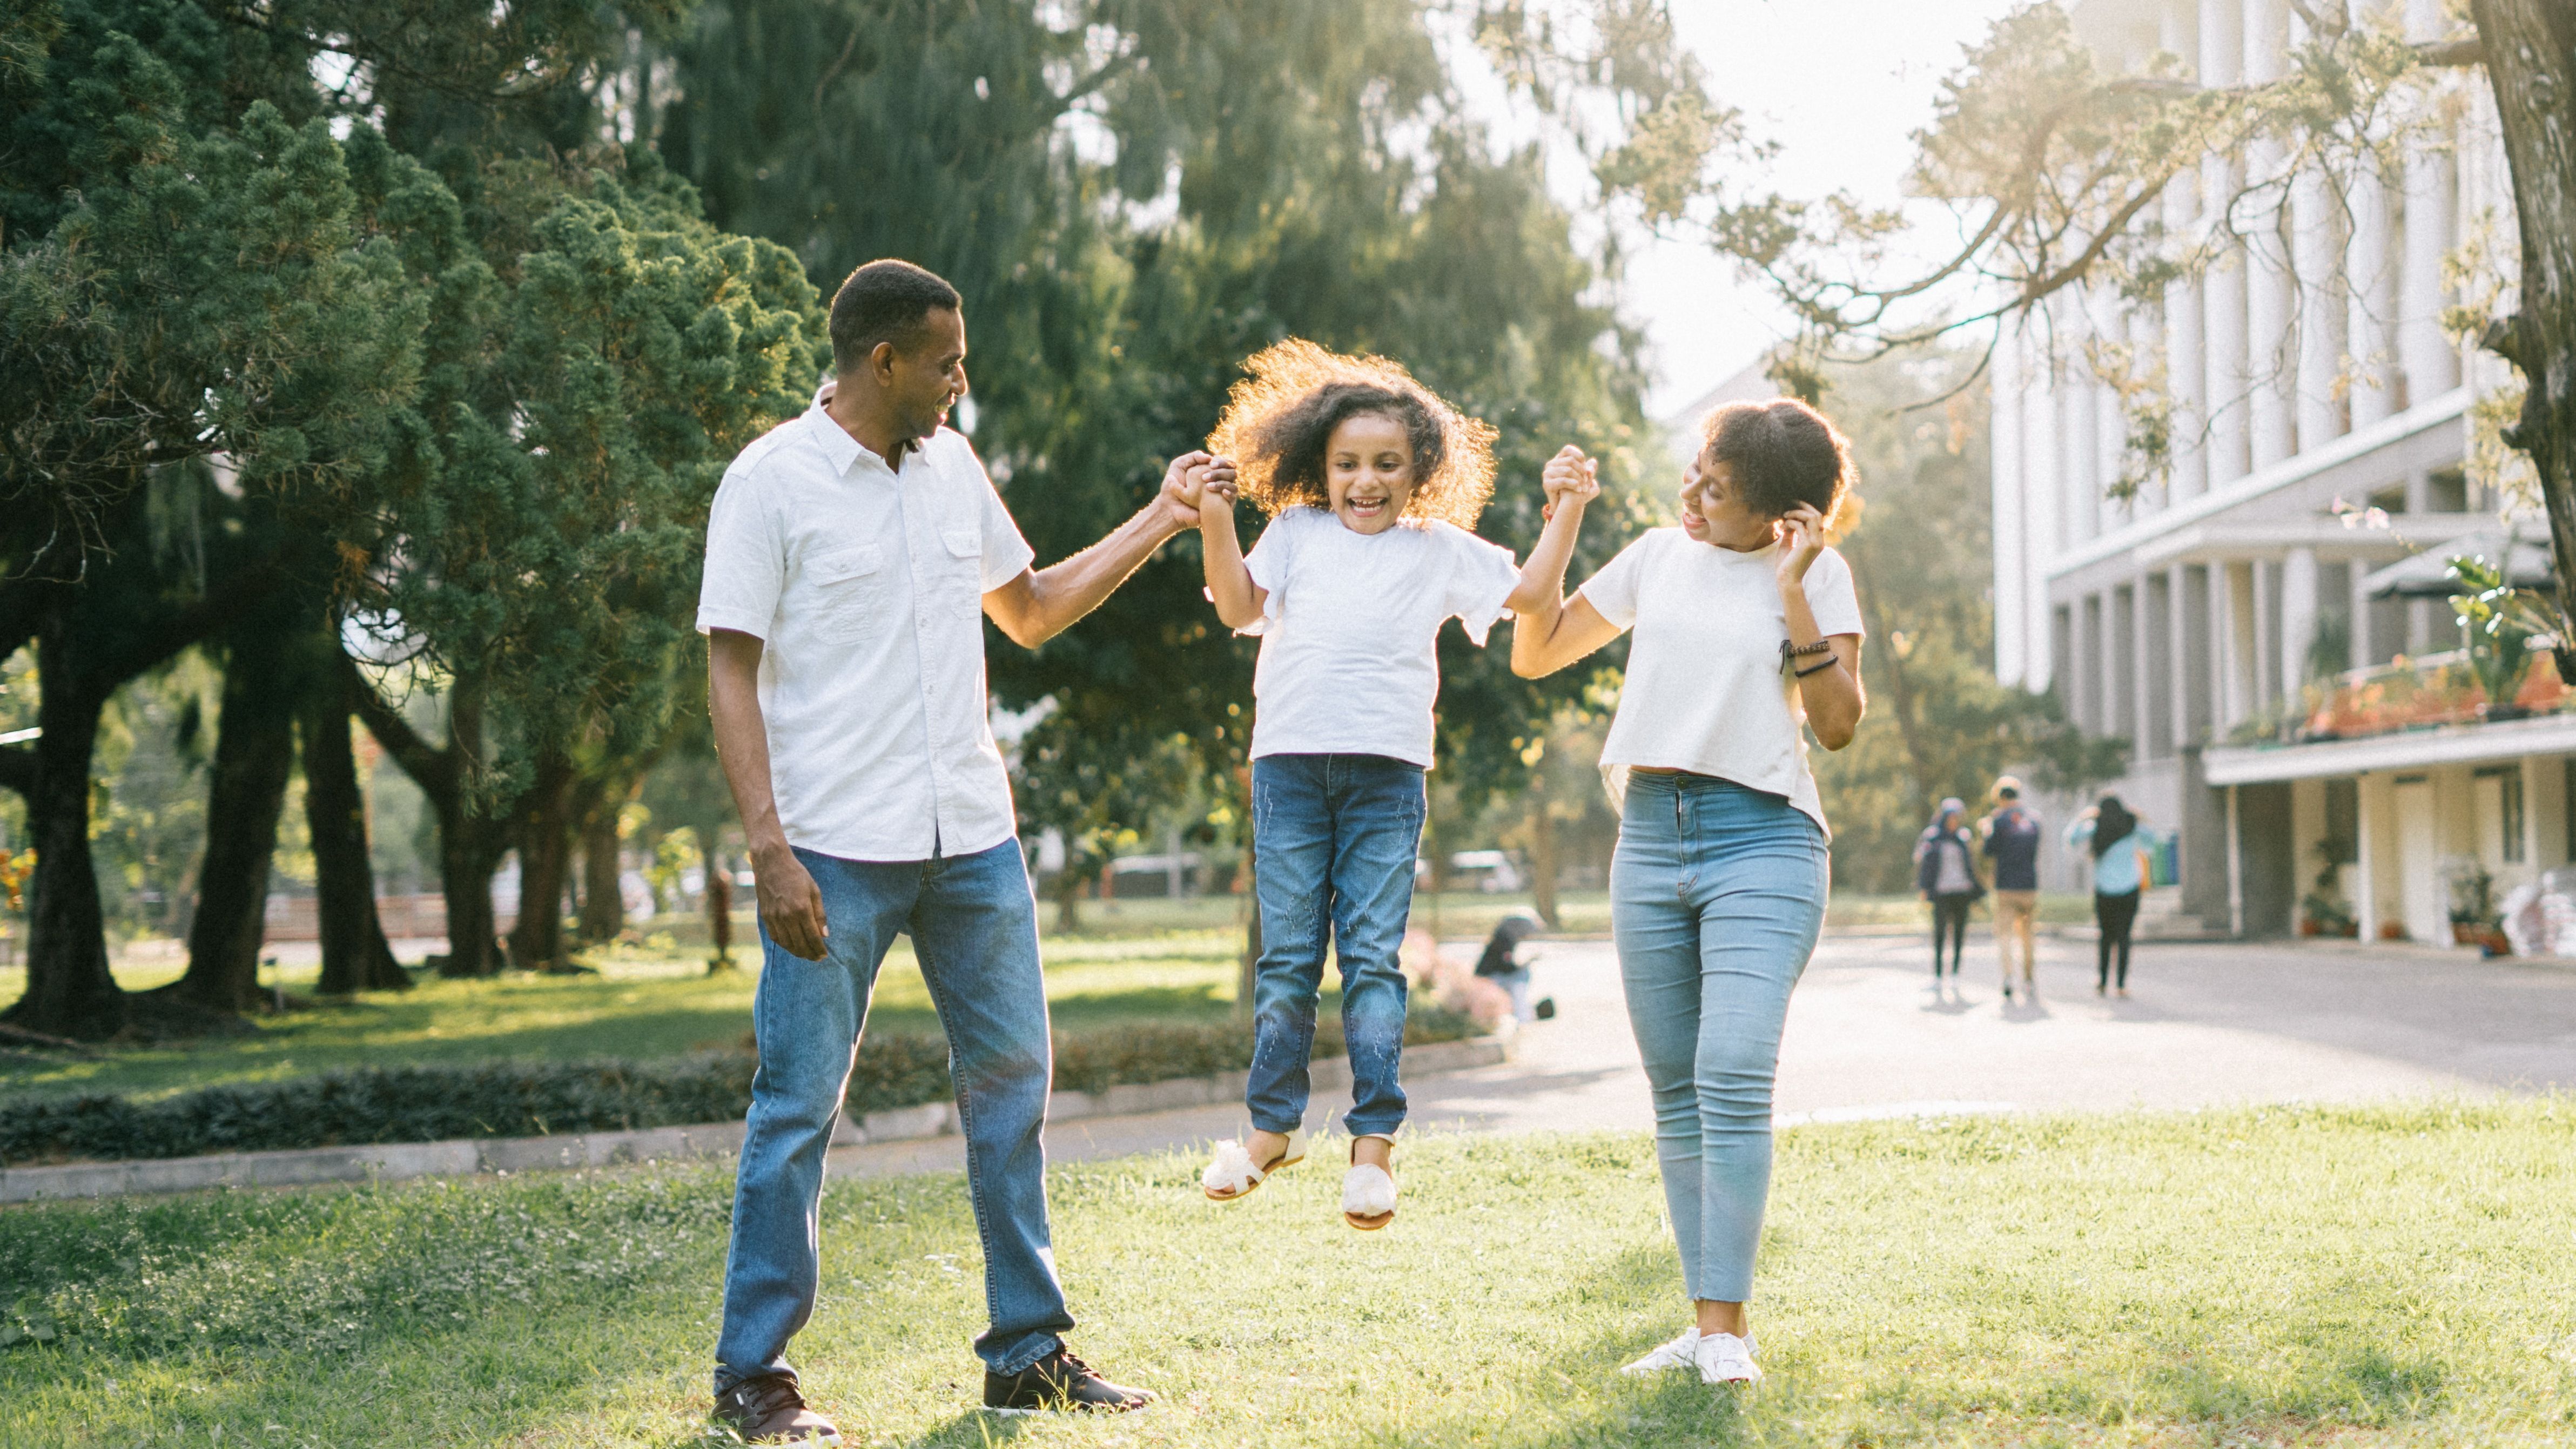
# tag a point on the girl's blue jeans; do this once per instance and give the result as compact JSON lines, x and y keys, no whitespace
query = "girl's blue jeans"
{"x":1333,"y":839}
{"x":1717,"y":894}
{"x":974,"y":929}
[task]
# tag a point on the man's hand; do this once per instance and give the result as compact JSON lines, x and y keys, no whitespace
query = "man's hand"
{"x":791,"y":905}
{"x":1570,"y":476}
{"x":1184,"y":483}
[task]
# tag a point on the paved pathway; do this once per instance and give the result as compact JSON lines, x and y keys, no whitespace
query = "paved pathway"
{"x":2208,"y":1024}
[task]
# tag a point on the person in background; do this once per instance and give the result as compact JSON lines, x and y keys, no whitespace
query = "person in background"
{"x":1504,"y":965}
{"x":2121,"y":869}
{"x":1946,"y":878}
{"x":2013,"y":833}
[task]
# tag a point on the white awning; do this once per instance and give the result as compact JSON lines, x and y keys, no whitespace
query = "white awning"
{"x":2428,"y":574}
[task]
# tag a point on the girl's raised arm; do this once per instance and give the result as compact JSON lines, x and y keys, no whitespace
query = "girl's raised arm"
{"x":1547,"y":633}
{"x":1238,"y":599}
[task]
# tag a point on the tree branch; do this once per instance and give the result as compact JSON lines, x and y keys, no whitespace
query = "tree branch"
{"x":431,"y":768}
{"x":2458,"y":50}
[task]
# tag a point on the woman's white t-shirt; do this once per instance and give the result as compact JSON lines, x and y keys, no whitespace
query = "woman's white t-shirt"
{"x":1705,"y":691}
{"x":1350,"y":631}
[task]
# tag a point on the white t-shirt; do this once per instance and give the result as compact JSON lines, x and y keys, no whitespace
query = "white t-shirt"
{"x":1349,"y":660}
{"x":866,"y":588}
{"x":1705,"y":691}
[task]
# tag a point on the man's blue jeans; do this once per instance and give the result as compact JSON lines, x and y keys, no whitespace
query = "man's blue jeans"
{"x":973,"y":923}
{"x":1333,"y":840}
{"x":1717,"y":894}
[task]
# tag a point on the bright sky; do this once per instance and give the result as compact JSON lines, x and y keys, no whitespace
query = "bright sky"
{"x":1841,"y":85}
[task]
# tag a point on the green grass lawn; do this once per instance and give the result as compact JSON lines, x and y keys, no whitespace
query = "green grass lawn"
{"x":2273,"y":1277}
{"x":645,"y":1003}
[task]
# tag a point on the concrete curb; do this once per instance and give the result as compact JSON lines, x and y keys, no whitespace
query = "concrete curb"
{"x":464,"y":1157}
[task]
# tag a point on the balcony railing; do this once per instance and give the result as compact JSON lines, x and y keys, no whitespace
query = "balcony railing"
{"x":2425,"y":692}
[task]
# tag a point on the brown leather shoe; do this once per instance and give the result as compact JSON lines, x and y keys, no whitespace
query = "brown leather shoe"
{"x":767,"y":1409}
{"x":1059,"y":1384}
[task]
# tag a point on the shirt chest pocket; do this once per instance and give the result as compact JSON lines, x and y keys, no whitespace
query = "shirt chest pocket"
{"x":961,"y":560}
{"x":848,"y":589}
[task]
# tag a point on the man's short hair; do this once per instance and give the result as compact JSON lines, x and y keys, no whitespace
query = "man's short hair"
{"x":884,"y":301}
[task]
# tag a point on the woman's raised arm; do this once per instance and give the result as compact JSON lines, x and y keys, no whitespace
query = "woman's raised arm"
{"x":1549,"y":633}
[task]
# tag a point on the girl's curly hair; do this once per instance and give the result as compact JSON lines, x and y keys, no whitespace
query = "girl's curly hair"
{"x":1280,"y":418}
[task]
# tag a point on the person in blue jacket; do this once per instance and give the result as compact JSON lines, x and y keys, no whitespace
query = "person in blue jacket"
{"x":1946,"y":875}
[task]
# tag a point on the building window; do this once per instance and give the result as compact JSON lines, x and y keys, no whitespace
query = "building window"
{"x":2508,"y":817}
{"x":2447,"y":491}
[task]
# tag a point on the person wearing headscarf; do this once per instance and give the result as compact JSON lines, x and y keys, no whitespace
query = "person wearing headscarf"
{"x":2117,"y":860}
{"x":1945,"y":875}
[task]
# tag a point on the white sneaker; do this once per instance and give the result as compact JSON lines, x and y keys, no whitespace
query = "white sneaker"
{"x":1724,"y":1358}
{"x":1673,"y":1355}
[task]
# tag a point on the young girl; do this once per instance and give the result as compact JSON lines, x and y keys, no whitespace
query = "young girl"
{"x":1372,"y":484}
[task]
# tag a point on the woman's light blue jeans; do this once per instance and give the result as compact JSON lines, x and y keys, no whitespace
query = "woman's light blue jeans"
{"x":973,"y":923}
{"x":1717,"y":893}
{"x":1333,"y":845}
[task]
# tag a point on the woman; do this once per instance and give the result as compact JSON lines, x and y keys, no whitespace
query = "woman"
{"x":1944,"y":876}
{"x":2120,"y":869}
{"x":1747,"y":629}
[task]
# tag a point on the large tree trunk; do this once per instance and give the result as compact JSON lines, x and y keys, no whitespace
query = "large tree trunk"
{"x":545,"y":860}
{"x":466,"y":860}
{"x":355,"y":954}
{"x":2530,"y":52}
{"x":70,"y":991}
{"x":253,"y":755}
{"x":603,"y":907}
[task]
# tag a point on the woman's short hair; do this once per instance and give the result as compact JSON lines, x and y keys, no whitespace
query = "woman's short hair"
{"x":1779,"y":454}
{"x":1279,"y":421}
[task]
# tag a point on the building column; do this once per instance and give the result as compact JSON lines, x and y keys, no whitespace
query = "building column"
{"x":2223,"y":291}
{"x":2371,"y":307}
{"x":2364,"y":649}
{"x":2298,"y":621}
{"x":2009,"y":517}
{"x":2430,"y":363}
{"x":2186,"y":365}
{"x":2365,"y":861}
{"x":2188,"y":651}
{"x":2241,"y":676}
{"x":2316,"y":227}
{"x":2039,"y":532}
{"x":2271,"y":361}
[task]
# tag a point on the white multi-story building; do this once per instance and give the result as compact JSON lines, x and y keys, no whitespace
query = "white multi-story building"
{"x":2225,"y":620}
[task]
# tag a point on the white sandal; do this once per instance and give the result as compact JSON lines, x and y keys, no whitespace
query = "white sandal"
{"x":1368,"y":1193}
{"x":1231,"y":1173}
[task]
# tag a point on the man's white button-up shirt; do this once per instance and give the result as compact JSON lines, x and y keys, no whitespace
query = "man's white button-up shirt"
{"x":865,"y":587}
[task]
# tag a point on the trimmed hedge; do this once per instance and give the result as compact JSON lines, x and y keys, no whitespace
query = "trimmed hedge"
{"x":531,"y":1099}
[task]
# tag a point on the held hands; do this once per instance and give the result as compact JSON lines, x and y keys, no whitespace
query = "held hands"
{"x":1185,"y":486}
{"x":1570,"y":477}
{"x":1801,"y":531}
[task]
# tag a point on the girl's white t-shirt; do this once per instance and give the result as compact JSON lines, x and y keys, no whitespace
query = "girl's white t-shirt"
{"x":1350,"y":631}
{"x":1705,"y":691}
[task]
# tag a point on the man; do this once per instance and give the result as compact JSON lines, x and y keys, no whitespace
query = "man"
{"x":2012,"y":835}
{"x":849,"y":553}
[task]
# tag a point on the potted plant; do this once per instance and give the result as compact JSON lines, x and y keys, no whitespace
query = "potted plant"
{"x":2474,"y":918}
{"x":2498,"y":623}
{"x":2324,"y":912}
